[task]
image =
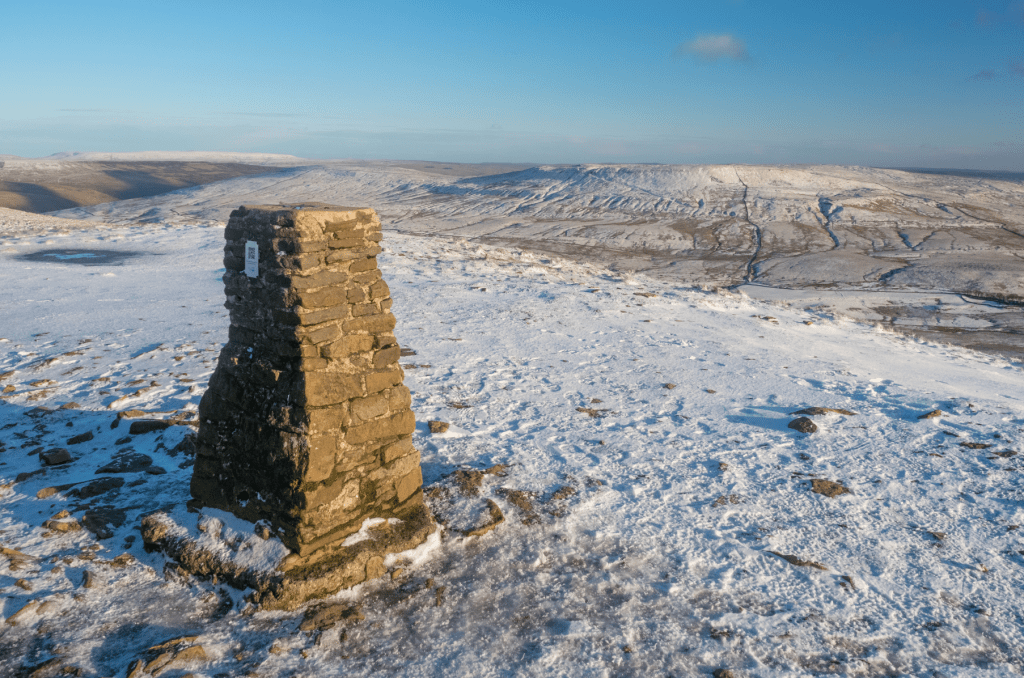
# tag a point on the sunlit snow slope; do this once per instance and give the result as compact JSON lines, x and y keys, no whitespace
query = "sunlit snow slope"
{"x":661,"y":517}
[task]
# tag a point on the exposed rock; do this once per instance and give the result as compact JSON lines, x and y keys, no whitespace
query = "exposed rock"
{"x":97,"y":487}
{"x":932,"y":415}
{"x":127,"y":462}
{"x":818,"y":411}
{"x":55,"y":457}
{"x":22,"y":612}
{"x":496,"y":518}
{"x":829,"y":488}
{"x":62,"y":525}
{"x":326,"y":616}
{"x":147,"y":426}
{"x":593,"y":413}
{"x":727,"y":499}
{"x":668,"y":386}
{"x":302,"y":578}
{"x":80,"y":438}
{"x":803,"y":424}
{"x":976,"y":446}
{"x":523,"y":501}
{"x":89,"y":580}
{"x":438,"y":426}
{"x":562,"y":493}
{"x":469,"y":481}
{"x":799,"y":562}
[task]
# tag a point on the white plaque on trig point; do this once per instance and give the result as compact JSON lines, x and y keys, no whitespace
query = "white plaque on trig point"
{"x":252,"y":259}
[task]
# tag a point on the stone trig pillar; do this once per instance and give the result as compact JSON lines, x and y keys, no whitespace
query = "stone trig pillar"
{"x":307,"y":425}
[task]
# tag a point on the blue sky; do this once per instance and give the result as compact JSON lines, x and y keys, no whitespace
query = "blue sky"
{"x":931,"y":84}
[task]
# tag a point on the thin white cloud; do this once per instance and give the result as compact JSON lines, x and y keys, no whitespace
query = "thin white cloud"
{"x":714,"y":48}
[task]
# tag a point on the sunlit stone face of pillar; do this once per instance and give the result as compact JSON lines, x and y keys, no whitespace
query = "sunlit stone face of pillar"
{"x":306,"y":424}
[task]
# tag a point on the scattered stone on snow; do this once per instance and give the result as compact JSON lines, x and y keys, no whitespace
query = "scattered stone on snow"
{"x":89,"y":580}
{"x":931,"y":415}
{"x":496,"y":518}
{"x":97,"y":487}
{"x":55,"y":457}
{"x":976,"y":446}
{"x":562,"y":493}
{"x":938,"y":536}
{"x":669,"y":386}
{"x":593,"y":413}
{"x":142,"y":426}
{"x":80,"y":438}
{"x":727,"y":499}
{"x":128,"y":462}
{"x":22,"y":612}
{"x":803,"y":425}
{"x":818,"y":411}
{"x":829,"y":488}
{"x":523,"y":501}
{"x":438,"y":426}
{"x":799,"y":562}
{"x":324,"y":617}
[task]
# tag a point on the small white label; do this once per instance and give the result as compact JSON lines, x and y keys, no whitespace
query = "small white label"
{"x":252,"y":259}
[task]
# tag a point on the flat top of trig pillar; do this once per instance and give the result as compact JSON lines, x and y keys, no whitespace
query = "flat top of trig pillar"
{"x":302,"y":207}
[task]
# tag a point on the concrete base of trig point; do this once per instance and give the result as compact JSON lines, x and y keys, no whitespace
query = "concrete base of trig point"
{"x":306,"y":429}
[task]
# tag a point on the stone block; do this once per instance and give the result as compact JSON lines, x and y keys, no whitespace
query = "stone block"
{"x":371,"y":407}
{"x":399,"y":398}
{"x":328,"y":418}
{"x":395,"y":450}
{"x":409,"y":484}
{"x":378,"y":381}
{"x":363,"y":264}
{"x":306,"y":317}
{"x":319,"y":334}
{"x":347,"y":243}
{"x":362,"y":310}
{"x":374,"y":324}
{"x":348,"y":345}
{"x":366,"y":277}
{"x":324,"y":296}
{"x":399,"y":424}
{"x":329,"y":388}
{"x":386,"y":357}
{"x":379,"y":290}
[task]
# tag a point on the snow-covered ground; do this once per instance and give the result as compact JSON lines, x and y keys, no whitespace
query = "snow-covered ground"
{"x":882,"y":236}
{"x":650,"y":530}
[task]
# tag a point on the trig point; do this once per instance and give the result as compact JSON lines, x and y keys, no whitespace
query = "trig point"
{"x":306,"y":426}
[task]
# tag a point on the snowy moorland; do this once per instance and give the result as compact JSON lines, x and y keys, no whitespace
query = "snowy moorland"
{"x":661,"y":518}
{"x":934,"y":254}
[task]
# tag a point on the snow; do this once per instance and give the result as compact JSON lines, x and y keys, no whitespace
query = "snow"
{"x":681,"y":497}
